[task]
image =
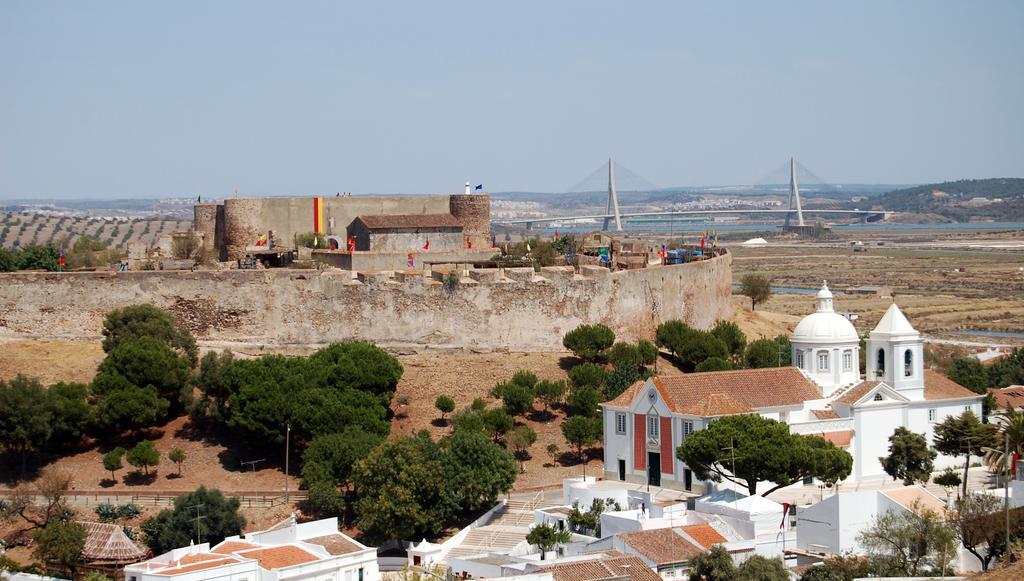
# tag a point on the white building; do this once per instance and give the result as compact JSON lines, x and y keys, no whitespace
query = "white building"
{"x":822,"y":394}
{"x":289,"y":550}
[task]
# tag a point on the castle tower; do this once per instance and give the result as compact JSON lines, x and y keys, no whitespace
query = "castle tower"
{"x":896,"y":354}
{"x":474,"y":211}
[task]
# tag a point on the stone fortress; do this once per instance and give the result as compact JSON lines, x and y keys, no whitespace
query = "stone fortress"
{"x":369,"y":293}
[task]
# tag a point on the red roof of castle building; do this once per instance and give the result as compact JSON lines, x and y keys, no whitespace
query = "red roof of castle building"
{"x":716,"y":393}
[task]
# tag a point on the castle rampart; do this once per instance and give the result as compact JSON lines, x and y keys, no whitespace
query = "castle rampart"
{"x":514,"y":309}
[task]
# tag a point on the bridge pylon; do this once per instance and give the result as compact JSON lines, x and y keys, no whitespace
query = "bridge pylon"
{"x":794,"y":195}
{"x":613,"y":199}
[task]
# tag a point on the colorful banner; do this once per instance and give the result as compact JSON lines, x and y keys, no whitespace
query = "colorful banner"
{"x":318,"y":215}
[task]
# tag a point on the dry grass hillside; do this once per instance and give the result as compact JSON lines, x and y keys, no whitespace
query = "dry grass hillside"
{"x":23,"y":229}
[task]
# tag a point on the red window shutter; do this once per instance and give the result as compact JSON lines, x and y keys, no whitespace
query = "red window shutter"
{"x":640,"y":442}
{"x":666,"y":446}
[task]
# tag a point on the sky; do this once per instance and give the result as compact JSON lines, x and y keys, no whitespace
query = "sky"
{"x":141,"y":99}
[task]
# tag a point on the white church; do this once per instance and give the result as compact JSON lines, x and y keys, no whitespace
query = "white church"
{"x":822,"y":394}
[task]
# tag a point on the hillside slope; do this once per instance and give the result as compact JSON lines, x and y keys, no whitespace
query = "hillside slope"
{"x":995,"y":199}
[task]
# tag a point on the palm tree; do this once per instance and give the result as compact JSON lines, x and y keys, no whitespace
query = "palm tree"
{"x":1012,"y":424}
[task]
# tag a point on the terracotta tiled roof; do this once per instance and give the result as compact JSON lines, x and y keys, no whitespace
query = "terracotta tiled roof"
{"x":911,"y":497}
{"x":858,"y":391}
{"x":825,"y":414}
{"x":705,"y":535}
{"x":389,"y":221}
{"x":335,"y":544}
{"x":280,"y":556}
{"x":938,"y":386}
{"x":107,"y":542}
{"x":198,"y":558}
{"x":842,"y":438}
{"x":631,"y":566}
{"x":197,"y":566}
{"x":232,"y":546}
{"x":662,"y":546}
{"x":724,"y":392}
{"x":1012,"y":396}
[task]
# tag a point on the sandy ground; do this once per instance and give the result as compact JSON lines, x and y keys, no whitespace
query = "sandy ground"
{"x":50,"y":361}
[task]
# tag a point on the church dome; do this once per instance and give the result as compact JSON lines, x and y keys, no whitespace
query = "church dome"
{"x":824,"y":325}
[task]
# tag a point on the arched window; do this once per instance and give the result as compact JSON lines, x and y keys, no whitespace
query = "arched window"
{"x":908,"y":363}
{"x":847,"y":360}
{"x":823,"y":360}
{"x":880,"y":365}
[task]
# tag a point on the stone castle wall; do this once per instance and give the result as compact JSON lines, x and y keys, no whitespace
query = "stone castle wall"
{"x":514,"y":309}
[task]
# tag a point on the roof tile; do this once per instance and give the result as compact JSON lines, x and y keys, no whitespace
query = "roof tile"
{"x":662,"y":546}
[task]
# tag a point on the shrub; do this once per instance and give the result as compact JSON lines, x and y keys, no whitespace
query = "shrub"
{"x":590,"y":374}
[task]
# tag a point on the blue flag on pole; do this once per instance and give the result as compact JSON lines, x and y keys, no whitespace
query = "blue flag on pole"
{"x":479,"y":187}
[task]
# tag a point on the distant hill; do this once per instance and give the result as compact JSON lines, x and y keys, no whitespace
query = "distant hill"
{"x":995,"y":199}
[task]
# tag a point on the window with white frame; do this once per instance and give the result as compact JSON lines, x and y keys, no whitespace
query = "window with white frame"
{"x":800,"y":359}
{"x":967,"y":408}
{"x":932,"y":414}
{"x":652,"y":426}
{"x":687,"y":428}
{"x":823,"y":360}
{"x":847,"y":360}
{"x":908,"y":363}
{"x":620,"y":423}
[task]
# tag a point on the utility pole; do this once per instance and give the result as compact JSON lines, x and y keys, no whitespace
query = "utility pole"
{"x":1006,"y":489}
{"x":287,"y":441}
{"x":199,"y":537}
{"x":732,"y":450}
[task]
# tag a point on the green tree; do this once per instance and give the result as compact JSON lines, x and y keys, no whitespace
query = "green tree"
{"x":765,"y":353}
{"x":1011,"y":423}
{"x":756,"y":287}
{"x":909,"y":542}
{"x":552,"y":450}
{"x":762,"y":450}
{"x":36,"y":257}
{"x":619,"y":381}
{"x":445,"y":405}
{"x":60,"y":543}
{"x":214,"y":384}
{"x":979,"y":524}
{"x":549,"y":393}
{"x":648,"y":352}
{"x":672,"y":335}
{"x":26,"y":423}
{"x":761,"y":568}
{"x":713,"y":565}
{"x":517,"y":399}
{"x":713,"y":364}
{"x":948,"y":480}
{"x":589,"y":342}
{"x":699,"y":347}
{"x":477,"y":470}
{"x":70,"y":411}
{"x":588,"y":374}
{"x":497,"y":422}
{"x":525,"y":378}
{"x":147,"y":321}
{"x":177,"y":527}
{"x":402,"y":489}
{"x":112,"y":461}
{"x":177,"y":455}
{"x":145,"y":361}
{"x":122,"y":406}
{"x":730,"y":334}
{"x":583,"y":401}
{"x":581,"y":433}
{"x":332,"y":457}
{"x":546,"y":538}
{"x":970,"y":373}
{"x":626,"y":356}
{"x":358,"y":365}
{"x":909,"y":457}
{"x":9,"y":260}
{"x":520,"y":439}
{"x":964,"y":435}
{"x":144,"y":456}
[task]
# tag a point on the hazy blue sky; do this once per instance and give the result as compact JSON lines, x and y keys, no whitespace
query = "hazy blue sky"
{"x":147,"y":99}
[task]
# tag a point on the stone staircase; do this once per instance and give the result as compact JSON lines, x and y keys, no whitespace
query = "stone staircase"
{"x":507,"y":528}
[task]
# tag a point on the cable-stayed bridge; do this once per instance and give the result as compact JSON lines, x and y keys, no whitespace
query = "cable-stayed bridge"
{"x":634,"y":182}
